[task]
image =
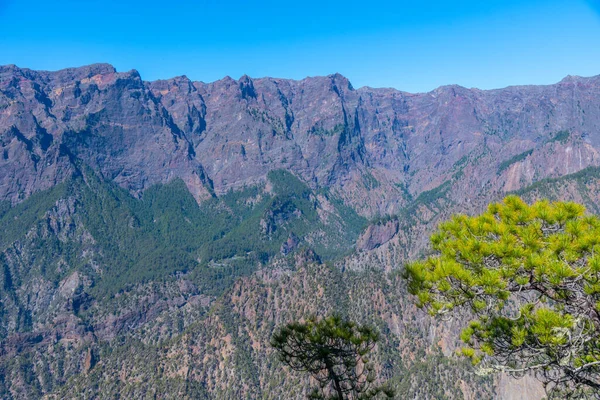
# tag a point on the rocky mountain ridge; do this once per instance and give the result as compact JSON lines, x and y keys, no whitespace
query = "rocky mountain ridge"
{"x":378,"y":148}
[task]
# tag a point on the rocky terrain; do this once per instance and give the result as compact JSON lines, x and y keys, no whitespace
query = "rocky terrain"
{"x":153,"y":234}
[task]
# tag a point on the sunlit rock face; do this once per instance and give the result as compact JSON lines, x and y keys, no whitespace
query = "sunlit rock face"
{"x":378,"y":148}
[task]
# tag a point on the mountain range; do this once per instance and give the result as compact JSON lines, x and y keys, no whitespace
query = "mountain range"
{"x":153,"y":234}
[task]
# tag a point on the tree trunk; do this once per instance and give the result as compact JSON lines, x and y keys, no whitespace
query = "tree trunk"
{"x":335,"y":379}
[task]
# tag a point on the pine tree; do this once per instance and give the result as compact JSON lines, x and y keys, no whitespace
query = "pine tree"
{"x":528,"y":277}
{"x":334,"y":352}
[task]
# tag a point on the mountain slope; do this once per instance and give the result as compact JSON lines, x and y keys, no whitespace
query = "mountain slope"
{"x":152,"y":234}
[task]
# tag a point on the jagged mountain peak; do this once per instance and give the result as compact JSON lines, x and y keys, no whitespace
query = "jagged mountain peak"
{"x":320,"y":128}
{"x":106,"y":68}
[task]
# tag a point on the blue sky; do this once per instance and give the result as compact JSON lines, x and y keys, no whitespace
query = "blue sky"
{"x":410,"y":45}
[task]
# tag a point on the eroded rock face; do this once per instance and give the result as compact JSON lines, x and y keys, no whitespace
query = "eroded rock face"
{"x":377,"y":234}
{"x":379,"y":148}
{"x":108,"y":120}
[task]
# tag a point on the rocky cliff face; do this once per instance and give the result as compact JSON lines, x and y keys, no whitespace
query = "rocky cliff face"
{"x":379,"y":148}
{"x":158,"y":231}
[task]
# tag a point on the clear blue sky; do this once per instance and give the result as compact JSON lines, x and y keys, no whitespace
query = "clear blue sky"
{"x":410,"y":45}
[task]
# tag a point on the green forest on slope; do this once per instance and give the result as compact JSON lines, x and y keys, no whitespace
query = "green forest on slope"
{"x":167,"y":232}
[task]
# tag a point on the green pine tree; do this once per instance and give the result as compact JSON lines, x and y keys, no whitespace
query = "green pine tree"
{"x":528,"y":276}
{"x":335,"y":353}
